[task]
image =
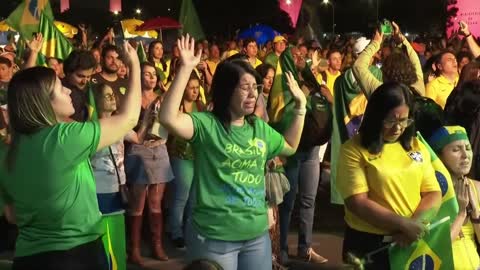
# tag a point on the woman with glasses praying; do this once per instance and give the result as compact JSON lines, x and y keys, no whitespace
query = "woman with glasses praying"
{"x":229,"y":221}
{"x":386,"y":178}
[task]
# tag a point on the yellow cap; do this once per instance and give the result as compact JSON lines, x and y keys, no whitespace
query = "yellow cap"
{"x":279,"y":38}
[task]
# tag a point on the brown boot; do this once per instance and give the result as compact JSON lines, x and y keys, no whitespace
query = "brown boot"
{"x":135,"y":240}
{"x":156,"y":227}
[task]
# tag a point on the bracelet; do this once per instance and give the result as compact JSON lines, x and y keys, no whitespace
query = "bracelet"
{"x":302,"y":111}
{"x":475,"y":220}
{"x":468,"y":35}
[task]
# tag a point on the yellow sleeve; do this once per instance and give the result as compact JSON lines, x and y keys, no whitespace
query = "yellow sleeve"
{"x":419,"y":85}
{"x":351,"y":176}
{"x":429,"y":182}
{"x":430,"y":91}
{"x":365,"y":78}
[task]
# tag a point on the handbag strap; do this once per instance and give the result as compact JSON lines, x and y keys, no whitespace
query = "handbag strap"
{"x":114,"y":164}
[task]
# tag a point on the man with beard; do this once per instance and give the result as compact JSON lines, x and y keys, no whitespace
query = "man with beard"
{"x":110,"y":65}
{"x":79,"y":67}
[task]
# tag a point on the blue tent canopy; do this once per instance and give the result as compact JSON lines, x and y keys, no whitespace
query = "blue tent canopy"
{"x":261,"y":33}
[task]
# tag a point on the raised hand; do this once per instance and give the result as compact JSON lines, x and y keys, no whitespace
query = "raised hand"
{"x":462,"y":190}
{"x":397,"y":34}
{"x":186,"y":45}
{"x":464,"y":29}
{"x":35,"y":44}
{"x":297,"y":93}
{"x":131,"y":56}
{"x":378,"y":36}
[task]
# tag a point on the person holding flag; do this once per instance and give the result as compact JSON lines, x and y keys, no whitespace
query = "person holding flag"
{"x":386,"y":178}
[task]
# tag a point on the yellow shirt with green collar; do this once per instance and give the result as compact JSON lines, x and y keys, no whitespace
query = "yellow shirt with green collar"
{"x":394,"y":178}
{"x":439,"y":89}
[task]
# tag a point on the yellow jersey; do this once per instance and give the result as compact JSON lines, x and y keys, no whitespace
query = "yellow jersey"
{"x":394,"y":178}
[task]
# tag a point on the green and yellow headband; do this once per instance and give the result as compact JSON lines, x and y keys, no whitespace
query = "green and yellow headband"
{"x":445,"y":135}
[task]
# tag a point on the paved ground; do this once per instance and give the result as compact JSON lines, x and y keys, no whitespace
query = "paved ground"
{"x":328,"y":245}
{"x":328,"y":227}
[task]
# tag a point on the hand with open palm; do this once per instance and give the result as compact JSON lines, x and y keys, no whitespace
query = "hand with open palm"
{"x":186,"y":46}
{"x":297,"y":93}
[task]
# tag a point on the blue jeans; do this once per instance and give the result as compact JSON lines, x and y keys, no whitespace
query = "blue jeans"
{"x":181,"y":205}
{"x":303,"y":173}
{"x":231,"y":255}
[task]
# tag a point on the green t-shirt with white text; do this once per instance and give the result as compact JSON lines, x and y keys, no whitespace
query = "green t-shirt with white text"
{"x":52,"y":188}
{"x":230,"y":177}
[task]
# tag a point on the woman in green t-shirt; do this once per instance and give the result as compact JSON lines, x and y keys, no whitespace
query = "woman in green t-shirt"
{"x":231,"y":146}
{"x":46,"y":173}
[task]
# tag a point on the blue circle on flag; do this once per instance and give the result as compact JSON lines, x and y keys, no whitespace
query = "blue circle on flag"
{"x":33,"y":8}
{"x":442,"y":181}
{"x":417,"y":264}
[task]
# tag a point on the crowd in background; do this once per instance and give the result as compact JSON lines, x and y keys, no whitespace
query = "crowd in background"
{"x":185,"y":162}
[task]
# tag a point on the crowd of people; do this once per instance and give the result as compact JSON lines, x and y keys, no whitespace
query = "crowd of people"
{"x":96,"y":145}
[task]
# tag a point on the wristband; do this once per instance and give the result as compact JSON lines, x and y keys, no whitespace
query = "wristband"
{"x":302,"y":111}
{"x":468,"y":35}
{"x":475,"y":220}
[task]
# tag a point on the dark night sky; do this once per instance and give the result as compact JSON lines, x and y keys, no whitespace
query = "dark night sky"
{"x":225,"y":16}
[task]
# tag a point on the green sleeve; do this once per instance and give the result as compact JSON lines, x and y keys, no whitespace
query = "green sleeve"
{"x":74,"y":141}
{"x":199,"y":120}
{"x":368,"y":82}
{"x":413,"y":56}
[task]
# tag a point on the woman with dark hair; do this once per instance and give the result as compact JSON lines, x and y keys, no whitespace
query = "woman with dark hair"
{"x":464,"y":110}
{"x":148,"y":170}
{"x":267,"y":73}
{"x":470,"y":72}
{"x":46,"y":173}
{"x":229,"y":221}
{"x":398,"y":66}
{"x":156,"y":56}
{"x":452,"y":146}
{"x":385,"y":177}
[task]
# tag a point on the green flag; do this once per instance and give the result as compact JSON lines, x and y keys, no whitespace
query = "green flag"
{"x":55,"y":44}
{"x":433,"y":251}
{"x":142,"y":56}
{"x":26,"y":17}
{"x":190,"y":21}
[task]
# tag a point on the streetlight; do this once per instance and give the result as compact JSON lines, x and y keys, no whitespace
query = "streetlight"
{"x":326,"y":2}
{"x":138,"y":11}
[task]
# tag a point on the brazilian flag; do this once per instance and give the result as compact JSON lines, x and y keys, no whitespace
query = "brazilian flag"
{"x":92,"y":108}
{"x":449,"y":206}
{"x":432,"y":252}
{"x":281,"y":104}
{"x":26,"y":17}
{"x":350,"y":104}
{"x":55,"y":44}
